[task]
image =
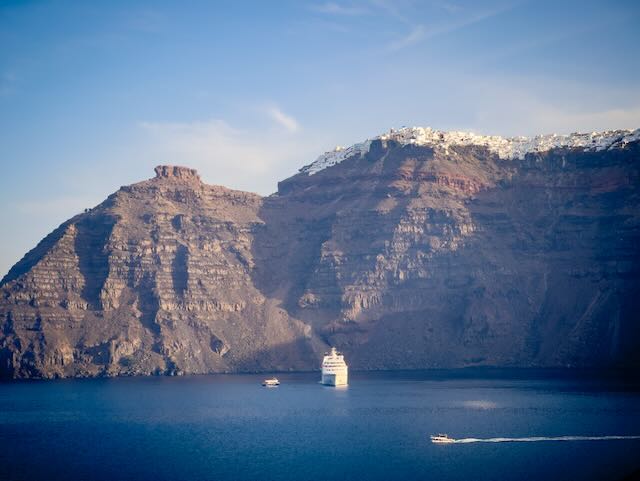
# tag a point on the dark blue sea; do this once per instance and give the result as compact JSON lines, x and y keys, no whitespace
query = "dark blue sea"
{"x":228,"y":427}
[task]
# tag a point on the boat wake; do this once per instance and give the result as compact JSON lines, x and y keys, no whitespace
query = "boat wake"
{"x":540,"y":439}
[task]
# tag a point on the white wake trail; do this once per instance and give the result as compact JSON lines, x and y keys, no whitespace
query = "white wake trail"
{"x":541,"y":438}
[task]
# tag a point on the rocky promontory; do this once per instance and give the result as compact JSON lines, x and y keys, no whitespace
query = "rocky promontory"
{"x":416,"y":249}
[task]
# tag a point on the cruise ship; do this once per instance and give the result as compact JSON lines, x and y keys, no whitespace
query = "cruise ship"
{"x":334,"y":370}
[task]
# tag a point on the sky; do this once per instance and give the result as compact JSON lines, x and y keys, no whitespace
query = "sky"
{"x":93,"y":95}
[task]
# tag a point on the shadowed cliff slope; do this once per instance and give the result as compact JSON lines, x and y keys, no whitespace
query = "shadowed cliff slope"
{"x":402,"y":256}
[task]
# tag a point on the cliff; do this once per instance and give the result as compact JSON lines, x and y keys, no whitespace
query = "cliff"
{"x":416,"y":249}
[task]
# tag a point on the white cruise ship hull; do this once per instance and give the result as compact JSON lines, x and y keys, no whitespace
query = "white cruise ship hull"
{"x":334,"y":369}
{"x":334,"y":379}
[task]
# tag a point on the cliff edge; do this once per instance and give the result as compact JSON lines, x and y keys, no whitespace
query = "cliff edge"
{"x":414,"y":249}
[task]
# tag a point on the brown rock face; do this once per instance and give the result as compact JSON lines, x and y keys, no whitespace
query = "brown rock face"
{"x":181,"y":174}
{"x":406,"y":257}
{"x":157,"y":279}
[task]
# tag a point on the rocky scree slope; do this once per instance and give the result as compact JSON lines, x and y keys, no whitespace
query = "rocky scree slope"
{"x":414,"y":249}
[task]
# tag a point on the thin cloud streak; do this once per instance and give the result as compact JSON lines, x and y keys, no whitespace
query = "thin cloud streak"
{"x":416,"y":35}
{"x":448,"y":6}
{"x":332,"y":8}
{"x":420,"y":33}
{"x":289,"y":123}
{"x":246,"y":159}
{"x":509,"y":110}
{"x":392,"y":10}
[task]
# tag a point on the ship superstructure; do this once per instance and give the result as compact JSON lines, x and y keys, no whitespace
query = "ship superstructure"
{"x":335,"y":371}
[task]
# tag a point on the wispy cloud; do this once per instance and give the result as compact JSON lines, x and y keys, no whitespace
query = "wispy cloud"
{"x":208,"y":144}
{"x":419,"y":32}
{"x":469,"y":20}
{"x":414,"y":36}
{"x":526,"y":44}
{"x":242,"y":158}
{"x":547,"y":118}
{"x":449,"y":7}
{"x":289,"y":123}
{"x":514,"y":107}
{"x":332,"y":8}
{"x":391,"y":9}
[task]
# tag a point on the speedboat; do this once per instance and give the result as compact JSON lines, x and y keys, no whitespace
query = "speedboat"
{"x":441,"y":439}
{"x":273,"y":382}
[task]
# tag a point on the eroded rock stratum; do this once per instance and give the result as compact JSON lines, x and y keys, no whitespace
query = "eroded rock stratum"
{"x":403,"y":256}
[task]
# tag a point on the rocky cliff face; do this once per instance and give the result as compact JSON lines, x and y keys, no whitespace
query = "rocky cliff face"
{"x":402,"y":254}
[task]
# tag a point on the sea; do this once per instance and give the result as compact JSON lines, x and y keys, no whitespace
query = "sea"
{"x":508,"y":425}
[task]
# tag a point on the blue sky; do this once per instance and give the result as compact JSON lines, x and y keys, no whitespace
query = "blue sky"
{"x":94,"y":94}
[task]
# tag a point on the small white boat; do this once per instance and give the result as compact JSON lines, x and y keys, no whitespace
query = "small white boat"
{"x":273,"y":382}
{"x":441,"y":439}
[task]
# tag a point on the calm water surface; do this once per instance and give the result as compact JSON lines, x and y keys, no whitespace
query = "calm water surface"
{"x":231,"y":428}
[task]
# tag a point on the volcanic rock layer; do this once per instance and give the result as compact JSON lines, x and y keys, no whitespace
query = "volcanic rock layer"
{"x":402,"y":255}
